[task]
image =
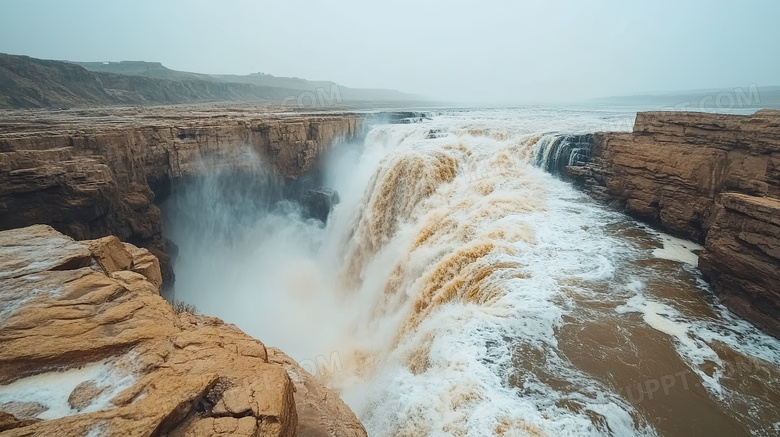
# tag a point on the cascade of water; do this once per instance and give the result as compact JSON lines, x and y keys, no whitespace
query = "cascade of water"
{"x":452,"y":285}
{"x":556,"y":151}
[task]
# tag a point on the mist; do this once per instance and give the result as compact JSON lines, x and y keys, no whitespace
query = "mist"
{"x":492,"y":51}
{"x":249,"y":251}
{"x":416,"y":218}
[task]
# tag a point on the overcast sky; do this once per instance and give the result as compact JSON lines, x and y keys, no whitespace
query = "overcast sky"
{"x":486,"y":50}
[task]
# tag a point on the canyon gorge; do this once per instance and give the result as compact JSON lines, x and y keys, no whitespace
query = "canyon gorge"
{"x":93,"y":202}
{"x":104,"y":178}
{"x":422,"y":219}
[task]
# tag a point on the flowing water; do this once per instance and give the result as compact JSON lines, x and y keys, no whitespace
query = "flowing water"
{"x":460,"y":289}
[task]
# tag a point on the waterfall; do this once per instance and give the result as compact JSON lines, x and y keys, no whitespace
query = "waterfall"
{"x":556,"y":151}
{"x":458,"y":288}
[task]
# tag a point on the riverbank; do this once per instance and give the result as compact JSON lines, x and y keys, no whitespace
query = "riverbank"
{"x":712,"y":178}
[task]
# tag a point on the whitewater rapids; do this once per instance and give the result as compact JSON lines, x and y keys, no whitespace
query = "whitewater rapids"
{"x":459,"y":289}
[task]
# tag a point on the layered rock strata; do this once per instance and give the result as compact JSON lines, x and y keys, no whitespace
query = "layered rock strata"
{"x":88,"y":347}
{"x":741,"y":257}
{"x":89,"y":182}
{"x":713,"y":178}
{"x":673,"y":166}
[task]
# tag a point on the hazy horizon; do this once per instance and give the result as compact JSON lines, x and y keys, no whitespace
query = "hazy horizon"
{"x":494,"y":52}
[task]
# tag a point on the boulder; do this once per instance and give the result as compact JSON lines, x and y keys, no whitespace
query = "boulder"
{"x":320,"y":203}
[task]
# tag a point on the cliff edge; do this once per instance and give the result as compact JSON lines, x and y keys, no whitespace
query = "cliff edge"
{"x":96,"y":173}
{"x":88,"y":347}
{"x":713,"y":178}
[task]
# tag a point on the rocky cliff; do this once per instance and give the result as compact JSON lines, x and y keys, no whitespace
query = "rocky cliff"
{"x":674,"y":165}
{"x":88,"y":347}
{"x":95,"y":174}
{"x":713,"y":178}
{"x":741,"y":257}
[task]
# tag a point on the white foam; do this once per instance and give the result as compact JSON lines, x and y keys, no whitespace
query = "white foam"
{"x":691,"y":347}
{"x":468,"y":356}
{"x":677,"y":249}
{"x":52,"y":389}
{"x":443,"y":367}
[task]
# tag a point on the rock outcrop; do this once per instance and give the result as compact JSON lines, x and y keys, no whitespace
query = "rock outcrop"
{"x":88,"y":347}
{"x":741,"y":257}
{"x":712,"y":178}
{"x":89,"y":180}
{"x":674,"y":165}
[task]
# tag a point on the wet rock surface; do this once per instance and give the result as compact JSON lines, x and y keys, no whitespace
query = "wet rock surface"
{"x":320,"y":203}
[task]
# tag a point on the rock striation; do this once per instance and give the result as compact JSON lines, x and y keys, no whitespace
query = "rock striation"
{"x":92,"y":179}
{"x":88,"y":347}
{"x":671,"y":169}
{"x":713,"y":178}
{"x":741,"y":257}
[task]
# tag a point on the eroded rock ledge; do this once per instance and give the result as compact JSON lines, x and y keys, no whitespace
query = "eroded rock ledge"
{"x":741,"y":257}
{"x":713,"y":178}
{"x":88,"y":347}
{"x":94,"y":174}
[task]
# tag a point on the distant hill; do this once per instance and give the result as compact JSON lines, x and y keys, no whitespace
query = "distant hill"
{"x":27,"y":82}
{"x":154,"y":70}
{"x":751,"y":96}
{"x":158,"y":71}
{"x":353,"y":94}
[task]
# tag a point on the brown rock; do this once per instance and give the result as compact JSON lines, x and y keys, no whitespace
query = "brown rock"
{"x":234,"y":402}
{"x":218,"y":426}
{"x":741,"y":257}
{"x":110,"y":254}
{"x":84,"y":394}
{"x":23,"y":410}
{"x":91,"y":180}
{"x":145,"y":264}
{"x":710,"y":177}
{"x":320,"y":410}
{"x":38,"y":249}
{"x":168,"y":374}
{"x":672,"y":167}
{"x":9,"y":421}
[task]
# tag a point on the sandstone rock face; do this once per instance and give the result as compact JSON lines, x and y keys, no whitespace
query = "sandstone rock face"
{"x":672,"y":167}
{"x":88,"y":347}
{"x":742,"y":257}
{"x":89,"y":181}
{"x":318,"y":414}
{"x":709,"y":177}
